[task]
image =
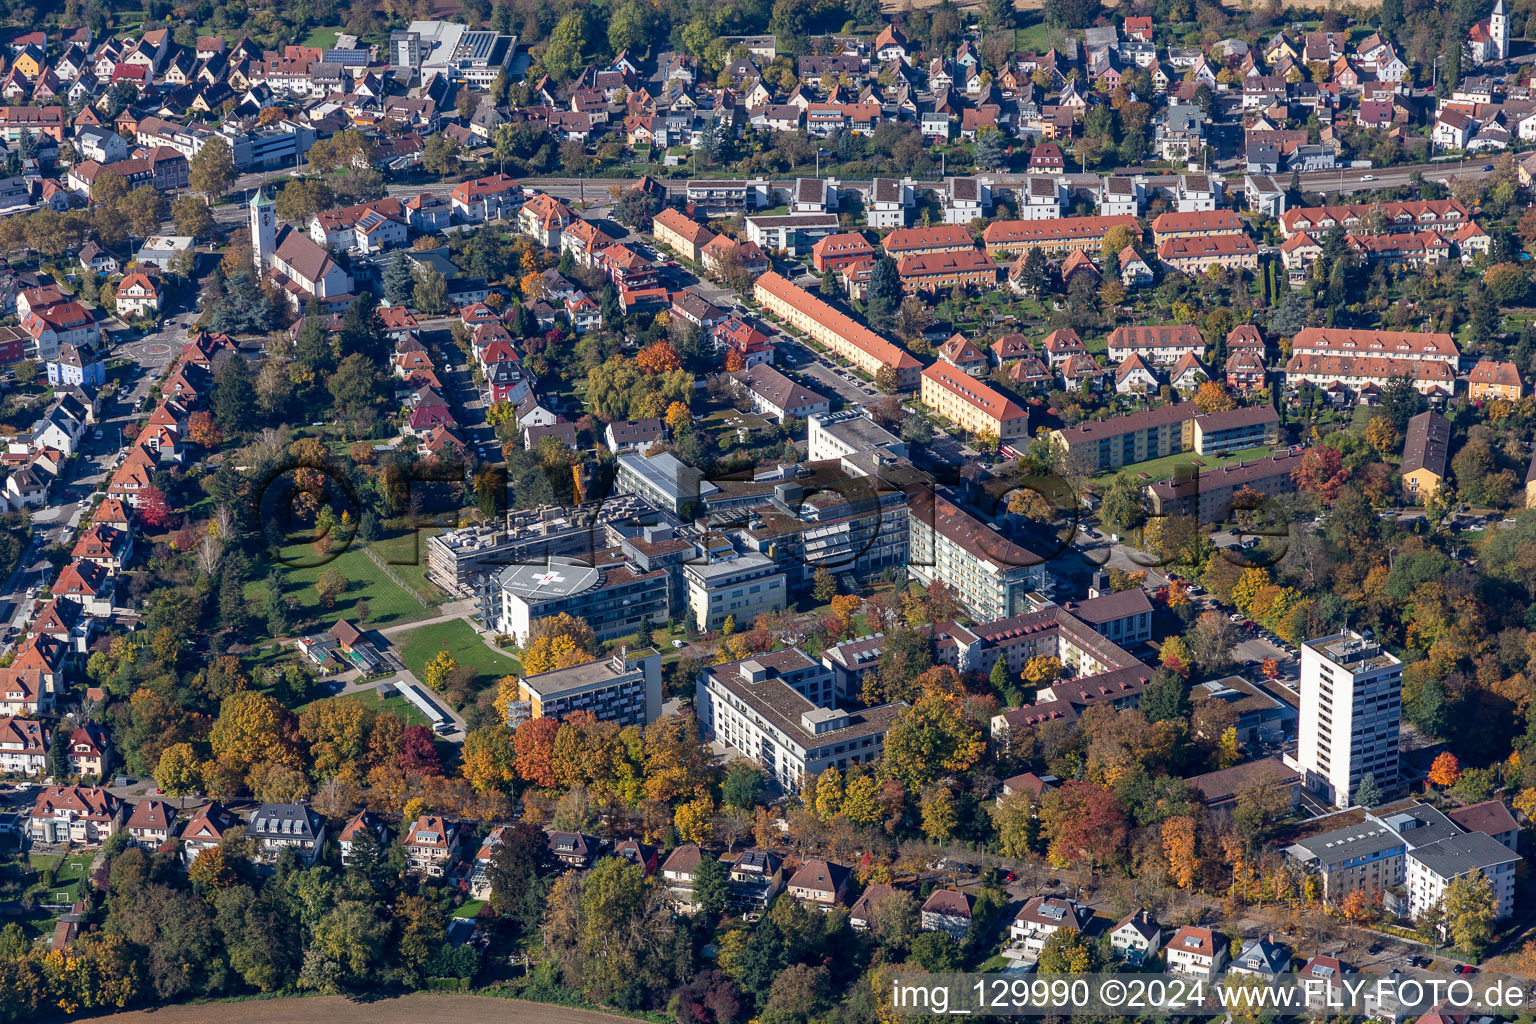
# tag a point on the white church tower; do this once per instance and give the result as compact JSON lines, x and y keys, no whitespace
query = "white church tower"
{"x":263,"y":231}
{"x":1498,"y":31}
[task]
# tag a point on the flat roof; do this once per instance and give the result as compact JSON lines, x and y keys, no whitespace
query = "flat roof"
{"x":858,"y":431}
{"x":779,"y":703}
{"x":1457,"y":855}
{"x":575,"y":677}
{"x":1352,"y":652}
{"x":559,"y":577}
{"x":1347,"y":843}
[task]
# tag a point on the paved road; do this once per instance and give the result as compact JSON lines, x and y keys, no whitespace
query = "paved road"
{"x":410,"y":1009}
{"x":1315,"y":181}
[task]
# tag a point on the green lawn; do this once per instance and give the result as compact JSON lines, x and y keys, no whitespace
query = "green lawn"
{"x":402,"y":708}
{"x":458,"y":638}
{"x":388,"y":603}
{"x":1159,"y":469}
{"x":71,"y":874}
{"x":470,"y":909}
{"x":408,"y":557}
{"x":1035,"y":38}
{"x":325,"y":38}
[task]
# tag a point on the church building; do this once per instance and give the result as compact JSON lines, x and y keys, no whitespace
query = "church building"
{"x":296,"y":262}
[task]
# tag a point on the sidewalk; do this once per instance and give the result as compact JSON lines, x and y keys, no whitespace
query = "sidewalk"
{"x":452,"y":610}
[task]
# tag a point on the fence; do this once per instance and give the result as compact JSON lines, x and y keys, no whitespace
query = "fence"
{"x":425,"y":601}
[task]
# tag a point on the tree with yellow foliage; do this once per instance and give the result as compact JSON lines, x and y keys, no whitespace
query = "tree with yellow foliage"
{"x":1247,"y":586}
{"x":1179,"y":848}
{"x":679,"y":418}
{"x":1042,"y":671}
{"x":1228,"y":751}
{"x":490,"y":759}
{"x":179,"y":771}
{"x":829,"y":794}
{"x":439,"y":670}
{"x":546,"y":653}
{"x":843,"y":608}
{"x":695,"y":820}
{"x":1381,"y":434}
{"x":940,"y":813}
{"x":1525,"y":803}
{"x":930,"y":739}
{"x":1176,"y":655}
{"x":861,"y":799}
{"x":252,"y":727}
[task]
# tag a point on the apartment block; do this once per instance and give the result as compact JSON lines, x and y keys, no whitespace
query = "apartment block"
{"x":758,"y":707}
{"x":624,"y":688}
{"x":1351,"y":708}
{"x":740,"y":586}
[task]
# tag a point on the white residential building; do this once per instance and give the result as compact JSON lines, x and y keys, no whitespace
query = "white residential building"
{"x":890,"y":203}
{"x":1137,"y":938}
{"x":1039,"y":919}
{"x":739,"y":587}
{"x":1432,"y":868}
{"x":1198,"y":952}
{"x":1351,"y":706}
{"x":774,"y":708}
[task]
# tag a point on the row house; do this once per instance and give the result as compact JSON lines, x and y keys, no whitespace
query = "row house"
{"x":1445,"y":216}
{"x":1195,"y":256}
{"x":1361,"y":373}
{"x":935,"y":272}
{"x":1005,"y":239}
{"x":939,"y":238}
{"x":1195,"y":224}
{"x":1163,"y":345}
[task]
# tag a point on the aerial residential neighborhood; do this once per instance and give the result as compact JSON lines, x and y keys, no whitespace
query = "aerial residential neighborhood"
{"x":696,"y":512}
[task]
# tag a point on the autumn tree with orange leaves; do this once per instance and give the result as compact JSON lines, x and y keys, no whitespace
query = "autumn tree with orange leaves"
{"x":1321,"y":473}
{"x":658,"y":357}
{"x":1179,"y":848}
{"x":1213,"y":396}
{"x":1445,"y":770}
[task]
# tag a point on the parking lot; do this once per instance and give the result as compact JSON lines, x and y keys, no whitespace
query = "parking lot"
{"x":840,"y":382}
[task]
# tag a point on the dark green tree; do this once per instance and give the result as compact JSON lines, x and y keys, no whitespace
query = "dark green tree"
{"x":398,"y":281}
{"x":234,"y":396}
{"x":884,"y":295}
{"x":710,"y":881}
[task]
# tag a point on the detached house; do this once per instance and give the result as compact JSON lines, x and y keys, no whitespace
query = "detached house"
{"x":72,"y":815}
{"x":819,"y":883}
{"x":150,"y":824}
{"x":137,"y":295}
{"x":274,"y":827}
{"x":206,"y":830}
{"x":1039,"y":919}
{"x":948,"y":911}
{"x":1137,"y":938}
{"x":430,"y":845}
{"x":1198,"y":952}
